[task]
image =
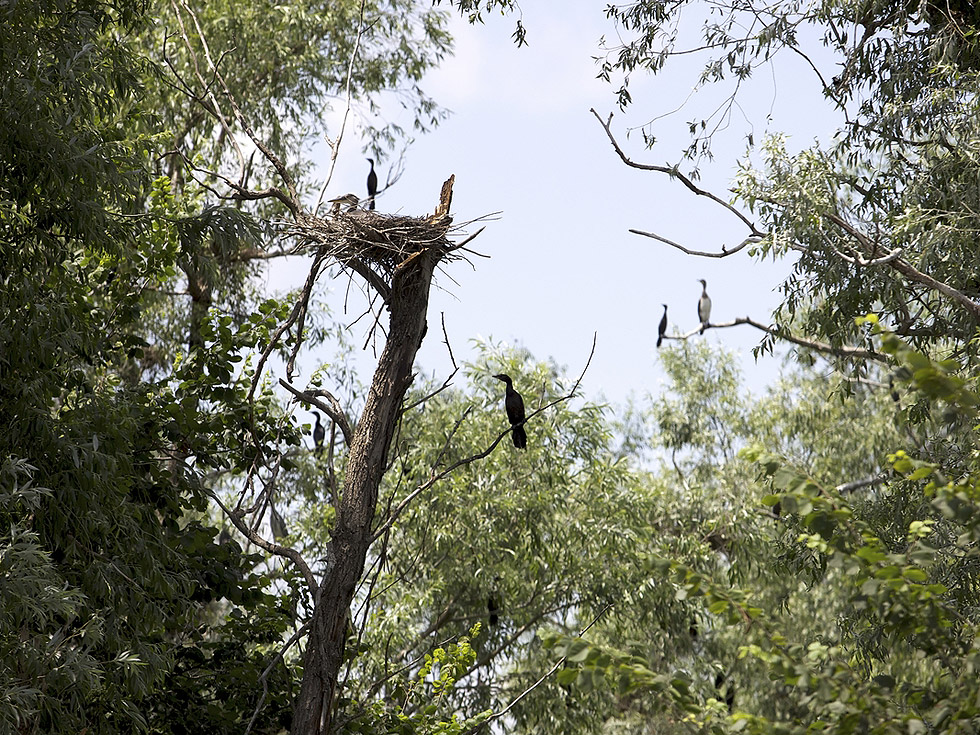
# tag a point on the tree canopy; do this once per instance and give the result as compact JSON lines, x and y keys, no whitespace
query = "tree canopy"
{"x":176,"y":557}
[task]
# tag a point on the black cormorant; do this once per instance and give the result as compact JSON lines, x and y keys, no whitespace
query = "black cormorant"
{"x":726,"y":687}
{"x":318,"y":434}
{"x":277,"y":524}
{"x":515,"y":412}
{"x":663,"y":327}
{"x":372,"y":184}
{"x":704,"y":305}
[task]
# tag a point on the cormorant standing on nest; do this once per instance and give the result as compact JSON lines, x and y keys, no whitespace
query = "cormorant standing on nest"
{"x":318,"y":434}
{"x":663,"y":327}
{"x":515,"y":412}
{"x":704,"y":305}
{"x":372,"y":184}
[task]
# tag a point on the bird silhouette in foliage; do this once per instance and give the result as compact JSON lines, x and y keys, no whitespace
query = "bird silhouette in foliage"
{"x":318,"y":434}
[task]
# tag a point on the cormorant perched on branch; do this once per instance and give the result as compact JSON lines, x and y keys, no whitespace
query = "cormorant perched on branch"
{"x":492,"y":610}
{"x":318,"y":434}
{"x":372,"y":184}
{"x":704,"y":305}
{"x":277,"y":524}
{"x":515,"y":412}
{"x":663,"y":327}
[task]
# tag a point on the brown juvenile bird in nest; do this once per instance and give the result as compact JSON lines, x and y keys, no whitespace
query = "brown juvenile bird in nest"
{"x":347,"y":200}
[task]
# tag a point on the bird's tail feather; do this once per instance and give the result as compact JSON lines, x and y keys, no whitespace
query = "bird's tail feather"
{"x":520,"y":437}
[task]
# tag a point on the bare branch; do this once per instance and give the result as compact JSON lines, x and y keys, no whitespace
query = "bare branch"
{"x":236,"y":518}
{"x":300,"y":307}
{"x":331,"y":408}
{"x":848,"y":487}
{"x":335,"y":144}
{"x":264,"y":677}
{"x":436,"y":392}
{"x":445,"y":337}
{"x":723,"y":254}
{"x":674,"y":173}
{"x":215,"y":105}
{"x":291,"y":198}
{"x":780,"y":333}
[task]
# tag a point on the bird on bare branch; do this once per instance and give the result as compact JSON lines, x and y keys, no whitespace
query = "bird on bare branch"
{"x":704,"y":306}
{"x":515,"y":412}
{"x":318,"y":434}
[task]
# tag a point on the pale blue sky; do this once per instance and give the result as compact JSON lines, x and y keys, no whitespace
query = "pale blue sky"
{"x":562,"y":264}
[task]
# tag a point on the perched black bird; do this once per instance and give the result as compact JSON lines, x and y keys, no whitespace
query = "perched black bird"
{"x":318,"y":434}
{"x":704,"y":305}
{"x":726,"y":688}
{"x":277,"y":524}
{"x":515,"y":412}
{"x":372,"y":184}
{"x":492,"y":610}
{"x":663,"y":327}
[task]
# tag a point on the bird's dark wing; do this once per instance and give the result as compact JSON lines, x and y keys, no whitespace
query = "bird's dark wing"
{"x":515,"y":407}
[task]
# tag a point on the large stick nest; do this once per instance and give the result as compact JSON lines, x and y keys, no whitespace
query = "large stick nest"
{"x":380,"y":241}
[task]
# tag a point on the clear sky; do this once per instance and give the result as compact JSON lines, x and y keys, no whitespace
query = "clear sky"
{"x":521,"y":141}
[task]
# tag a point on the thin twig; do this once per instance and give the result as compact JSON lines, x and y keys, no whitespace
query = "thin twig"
{"x":283,"y":551}
{"x":331,"y":408}
{"x":751,"y":239}
{"x":535,"y":685}
{"x":264,"y":677}
{"x":437,"y":391}
{"x":335,"y":144}
{"x":300,"y":306}
{"x":849,"y":487}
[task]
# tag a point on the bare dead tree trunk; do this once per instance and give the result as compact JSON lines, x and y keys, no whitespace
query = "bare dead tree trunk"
{"x":408,"y":303}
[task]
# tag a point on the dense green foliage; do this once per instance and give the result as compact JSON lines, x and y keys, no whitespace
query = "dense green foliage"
{"x":122,"y":609}
{"x":107,"y":568}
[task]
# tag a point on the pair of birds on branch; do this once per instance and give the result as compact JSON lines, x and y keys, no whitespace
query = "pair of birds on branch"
{"x":350,"y":201}
{"x":704,"y":313}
